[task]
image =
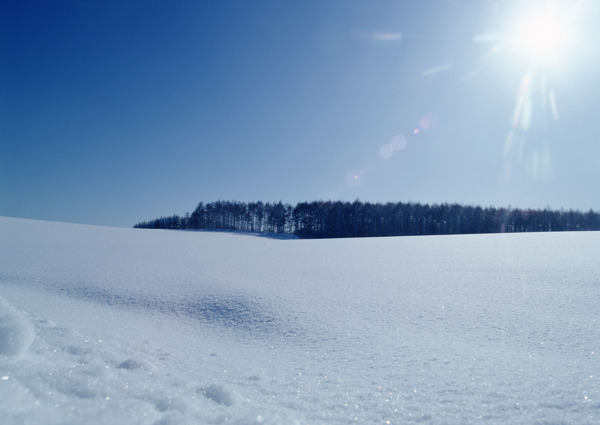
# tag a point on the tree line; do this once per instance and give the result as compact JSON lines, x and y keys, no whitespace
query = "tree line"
{"x":337,"y":219}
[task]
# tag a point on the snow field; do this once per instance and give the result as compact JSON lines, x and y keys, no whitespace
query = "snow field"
{"x":159,"y":327}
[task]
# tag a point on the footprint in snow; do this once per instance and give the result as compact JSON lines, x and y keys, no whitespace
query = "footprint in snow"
{"x":218,"y":394}
{"x":131,"y":364}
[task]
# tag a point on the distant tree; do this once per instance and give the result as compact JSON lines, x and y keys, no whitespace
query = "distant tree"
{"x":328,"y":219}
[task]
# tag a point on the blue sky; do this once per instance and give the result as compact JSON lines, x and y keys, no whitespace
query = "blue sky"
{"x":116,"y":112}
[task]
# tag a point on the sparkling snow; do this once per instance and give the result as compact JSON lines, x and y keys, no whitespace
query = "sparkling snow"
{"x":128,"y":326}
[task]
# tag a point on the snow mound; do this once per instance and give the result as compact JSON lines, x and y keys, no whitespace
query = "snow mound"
{"x":16,"y":330}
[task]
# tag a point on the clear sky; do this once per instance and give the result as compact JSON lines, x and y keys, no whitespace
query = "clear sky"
{"x":114,"y":112}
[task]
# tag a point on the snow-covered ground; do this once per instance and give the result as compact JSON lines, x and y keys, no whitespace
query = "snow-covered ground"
{"x":128,"y":326}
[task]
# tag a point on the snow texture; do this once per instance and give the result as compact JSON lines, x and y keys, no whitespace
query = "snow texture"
{"x":130,"y":326}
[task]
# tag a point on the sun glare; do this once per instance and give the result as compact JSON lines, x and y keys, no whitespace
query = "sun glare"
{"x":546,"y":39}
{"x":543,"y":35}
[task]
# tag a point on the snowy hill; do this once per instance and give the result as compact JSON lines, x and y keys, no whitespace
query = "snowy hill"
{"x":129,"y":326}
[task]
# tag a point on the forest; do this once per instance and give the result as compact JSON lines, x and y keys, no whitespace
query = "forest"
{"x":337,"y":219}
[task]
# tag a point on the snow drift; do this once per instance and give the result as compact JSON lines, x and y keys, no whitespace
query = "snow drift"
{"x":104,"y":325}
{"x":16,"y":331}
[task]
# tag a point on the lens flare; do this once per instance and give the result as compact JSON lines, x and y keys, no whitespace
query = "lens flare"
{"x":428,"y":122}
{"x":435,"y":70}
{"x":354,"y":178}
{"x":386,"y":36}
{"x":523,"y":107}
{"x":386,"y":151}
{"x":398,"y":142}
{"x":553,"y":104}
{"x":540,"y":165}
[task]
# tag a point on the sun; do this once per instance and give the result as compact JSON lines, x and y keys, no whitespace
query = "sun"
{"x":543,"y":35}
